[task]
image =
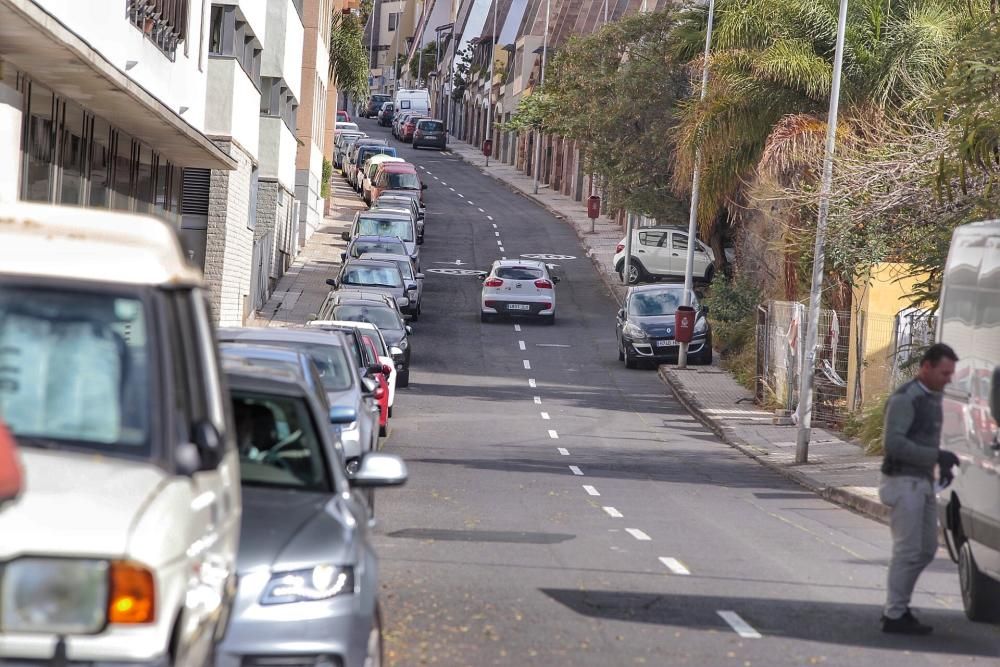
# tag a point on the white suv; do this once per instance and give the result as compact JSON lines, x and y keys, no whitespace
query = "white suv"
{"x":121,"y":548}
{"x":659,"y":252}
{"x":519,"y":288}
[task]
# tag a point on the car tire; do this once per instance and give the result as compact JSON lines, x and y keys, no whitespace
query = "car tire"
{"x":621,"y":351}
{"x":630,"y":361}
{"x":709,"y":273}
{"x":704,"y":357}
{"x":550,"y":320}
{"x":637,"y":272}
{"x":403,"y":379}
{"x":375,"y":649}
{"x":980,"y":593}
{"x":382,"y":430}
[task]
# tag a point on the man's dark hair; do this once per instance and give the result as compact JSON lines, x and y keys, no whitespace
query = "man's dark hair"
{"x":936,"y":352}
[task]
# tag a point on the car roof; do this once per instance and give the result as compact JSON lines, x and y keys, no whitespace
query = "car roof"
{"x":355,"y":261}
{"x":361,"y":295}
{"x":668,"y":287}
{"x":341,"y":324}
{"x":410,"y":194}
{"x":91,"y":244}
{"x":372,"y":141}
{"x":254,"y":350}
{"x":265,"y":334}
{"x":383,"y":213}
{"x":243,"y":377}
{"x":399,"y":166}
{"x":386,"y":257}
{"x":436,"y":120}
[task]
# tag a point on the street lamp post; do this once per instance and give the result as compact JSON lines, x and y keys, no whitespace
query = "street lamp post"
{"x":545,"y":53}
{"x":819,"y":253}
{"x":489,"y":83}
{"x":695,"y":187}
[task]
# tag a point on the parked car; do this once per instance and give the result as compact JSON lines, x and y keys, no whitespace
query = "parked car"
{"x":430,"y":132}
{"x":350,"y":162}
{"x":365,"y":244}
{"x":661,"y":252}
{"x":398,"y":120}
{"x":409,"y":127}
{"x":356,"y":168}
{"x":112,"y":388}
{"x":369,"y":170}
{"x":350,"y":306}
{"x":406,"y":208}
{"x":308,"y":590}
{"x":400,"y":199}
{"x":342,"y":126}
{"x":385,"y":114}
{"x":376,"y":223}
{"x":518,"y":288}
{"x":339,"y":377}
{"x":375,"y":103}
{"x":417,"y":100}
{"x":342,"y":145}
{"x":251,"y":355}
{"x":969,"y":321}
{"x":415,"y":195}
{"x":414,"y":281}
{"x":343,"y":116}
{"x":398,"y":176}
{"x":380,"y":364}
{"x":374,"y":276}
{"x":645,"y":327}
{"x":383,"y":391}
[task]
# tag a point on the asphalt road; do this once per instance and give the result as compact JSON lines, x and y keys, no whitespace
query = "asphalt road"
{"x":563,"y":510}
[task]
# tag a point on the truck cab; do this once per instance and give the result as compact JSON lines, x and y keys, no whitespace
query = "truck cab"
{"x":121,"y":546}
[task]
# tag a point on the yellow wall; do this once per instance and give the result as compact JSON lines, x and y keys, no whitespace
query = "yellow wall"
{"x":876,"y":301}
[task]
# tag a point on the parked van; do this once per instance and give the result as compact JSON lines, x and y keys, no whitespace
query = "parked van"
{"x":418,"y":100}
{"x":969,"y":321}
{"x":121,"y":548}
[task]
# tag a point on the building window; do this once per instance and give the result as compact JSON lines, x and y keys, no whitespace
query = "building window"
{"x":277,"y":101}
{"x":393,"y":21}
{"x":39,"y":145}
{"x":163,"y":22}
{"x":230,"y":36}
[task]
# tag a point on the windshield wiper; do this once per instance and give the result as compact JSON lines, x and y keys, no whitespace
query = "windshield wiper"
{"x":382,"y":285}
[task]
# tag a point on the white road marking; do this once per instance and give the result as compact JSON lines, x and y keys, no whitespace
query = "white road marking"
{"x":638,"y":534}
{"x":452,"y":189}
{"x":563,"y":451}
{"x":494,"y":225}
{"x":520,"y":344}
{"x":612,"y":512}
{"x":469,"y":202}
{"x":517,"y":327}
{"x":481,"y":210}
{"x":502,"y":250}
{"x":550,"y":345}
{"x":499,"y":242}
{"x":575,"y":470}
{"x":538,"y":400}
{"x":531,"y":382}
{"x":545,"y":415}
{"x":443,"y":183}
{"x":527,"y":365}
{"x":436,"y":178}
{"x":443,"y":153}
{"x":591,"y":491}
{"x":742,"y":628}
{"x":674,"y":565}
{"x":460,"y":195}
{"x":553,"y":434}
{"x":490,"y":218}
{"x":496,"y":233}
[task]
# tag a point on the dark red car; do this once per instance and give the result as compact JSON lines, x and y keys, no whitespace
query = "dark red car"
{"x":382,"y":391}
{"x":11,"y":478}
{"x":343,"y":117}
{"x":409,"y":127}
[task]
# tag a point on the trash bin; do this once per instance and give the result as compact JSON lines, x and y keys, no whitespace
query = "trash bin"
{"x":684,"y":324}
{"x":488,"y":147}
{"x":593,"y":207}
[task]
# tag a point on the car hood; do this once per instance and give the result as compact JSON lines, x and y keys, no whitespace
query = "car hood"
{"x":76,"y":503}
{"x":348,"y":397}
{"x":658,"y":325}
{"x":393,"y":336}
{"x":291,"y":530}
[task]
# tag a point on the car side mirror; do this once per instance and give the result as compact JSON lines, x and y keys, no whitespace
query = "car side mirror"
{"x":481,"y":276}
{"x":386,"y":370}
{"x":411,"y":288}
{"x":402,"y":302}
{"x":204,"y":452}
{"x":395,"y":351}
{"x":346,"y":236}
{"x":378,"y":469}
{"x":332,"y":282}
{"x":621,"y":314}
{"x":556,"y":279}
{"x":11,"y":476}
{"x":409,"y":330}
{"x":343,"y":256}
{"x":343,"y":414}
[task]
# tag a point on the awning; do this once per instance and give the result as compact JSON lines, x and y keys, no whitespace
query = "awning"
{"x":42,"y":47}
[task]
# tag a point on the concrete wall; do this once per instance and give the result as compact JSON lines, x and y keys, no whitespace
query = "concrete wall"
{"x":235,"y":103}
{"x":277,"y":151}
{"x":282,"y":55}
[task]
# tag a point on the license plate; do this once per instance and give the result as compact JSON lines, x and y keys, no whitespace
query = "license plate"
{"x":518,"y":306}
{"x":430,"y":136}
{"x":666,"y":343}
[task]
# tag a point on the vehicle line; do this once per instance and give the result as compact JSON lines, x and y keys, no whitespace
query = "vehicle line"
{"x":527,"y":365}
{"x":675,"y":565}
{"x":538,"y":400}
{"x":517,"y":327}
{"x":638,"y":534}
{"x":520,"y":345}
{"x":591,"y":491}
{"x":490,"y":218}
{"x":576,"y":471}
{"x":531,"y":383}
{"x":553,"y":434}
{"x":545,"y":416}
{"x":460,"y":195}
{"x":742,"y":628}
{"x":563,"y":451}
{"x":481,"y":210}
{"x":612,"y":512}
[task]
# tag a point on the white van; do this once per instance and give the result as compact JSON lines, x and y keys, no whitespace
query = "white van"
{"x":969,"y":321}
{"x":418,"y":100}
{"x":121,"y":546}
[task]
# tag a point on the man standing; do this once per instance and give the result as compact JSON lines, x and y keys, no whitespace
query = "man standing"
{"x":912,"y":436}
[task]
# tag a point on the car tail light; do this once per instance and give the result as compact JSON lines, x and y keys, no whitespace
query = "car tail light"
{"x":542,"y":283}
{"x":619,"y":248}
{"x":493,"y":282}
{"x":379,"y":393}
{"x":546,"y":305}
{"x":491,"y":304}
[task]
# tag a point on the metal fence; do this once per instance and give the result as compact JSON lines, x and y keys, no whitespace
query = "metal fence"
{"x":260,"y":271}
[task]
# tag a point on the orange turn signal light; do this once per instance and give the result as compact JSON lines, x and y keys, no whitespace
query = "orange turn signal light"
{"x":132,"y":598}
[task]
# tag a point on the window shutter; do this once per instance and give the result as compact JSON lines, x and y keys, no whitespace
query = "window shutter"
{"x":196,"y":187}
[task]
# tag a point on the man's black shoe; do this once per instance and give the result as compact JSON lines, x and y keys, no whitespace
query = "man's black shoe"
{"x":907,"y":624}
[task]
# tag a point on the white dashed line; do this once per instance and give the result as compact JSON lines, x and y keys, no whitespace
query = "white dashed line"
{"x":499,"y":242}
{"x":563,"y":451}
{"x":575,"y":470}
{"x":452,"y":189}
{"x":638,"y":534}
{"x":538,"y":400}
{"x":482,"y":211}
{"x":517,"y":327}
{"x":460,"y":195}
{"x":520,"y":345}
{"x":502,"y":250}
{"x":496,"y":233}
{"x":490,"y":218}
{"x":436,"y":178}
{"x":469,"y":202}
{"x":742,"y":628}
{"x":612,"y":512}
{"x":591,"y":491}
{"x":545,"y":416}
{"x":531,"y":383}
{"x":443,"y":183}
{"x":527,"y":365}
{"x":553,"y":434}
{"x":674,"y":565}
{"x":494,"y":225}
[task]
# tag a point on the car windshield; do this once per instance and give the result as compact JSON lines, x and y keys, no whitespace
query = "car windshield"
{"x":278,"y":443}
{"x":431,"y":125}
{"x":403,"y":181}
{"x":387,"y":247}
{"x":381,"y":316}
{"x":74,"y":369}
{"x":401,"y":229}
{"x":330,"y":360}
{"x":374,"y":276}
{"x":650,"y":304}
{"x":518,"y":273}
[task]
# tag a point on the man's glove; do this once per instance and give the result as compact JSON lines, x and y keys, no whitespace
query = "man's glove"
{"x":946,"y":461}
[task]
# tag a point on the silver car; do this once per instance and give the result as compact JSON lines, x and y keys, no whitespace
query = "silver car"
{"x":519,"y":288}
{"x":308,"y":576}
{"x":411,"y":278}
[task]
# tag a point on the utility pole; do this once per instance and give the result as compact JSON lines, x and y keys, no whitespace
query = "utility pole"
{"x":395,"y":60}
{"x":420,"y":43}
{"x":682,"y":352}
{"x":819,"y":253}
{"x":489,"y":92}
{"x":541,"y":87}
{"x":372,"y":58}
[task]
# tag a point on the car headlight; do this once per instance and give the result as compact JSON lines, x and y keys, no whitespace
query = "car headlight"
{"x":633,"y":331}
{"x":403,"y":344}
{"x":319,"y":583}
{"x":701,"y":326}
{"x":63,"y":596}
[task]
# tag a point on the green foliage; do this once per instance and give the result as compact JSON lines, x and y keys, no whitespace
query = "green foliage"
{"x":349,"y":57}
{"x":732,"y":308}
{"x":532,"y":113}
{"x":867,"y":425}
{"x":427,"y":64}
{"x":324,"y":187}
{"x":462,"y":77}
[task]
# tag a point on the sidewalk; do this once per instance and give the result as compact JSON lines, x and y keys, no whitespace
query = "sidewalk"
{"x":837,"y":470}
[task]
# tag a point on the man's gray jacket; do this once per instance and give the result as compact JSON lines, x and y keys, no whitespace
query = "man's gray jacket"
{"x":912,"y":431}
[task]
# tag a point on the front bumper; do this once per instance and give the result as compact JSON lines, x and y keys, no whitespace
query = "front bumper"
{"x":648,"y":348}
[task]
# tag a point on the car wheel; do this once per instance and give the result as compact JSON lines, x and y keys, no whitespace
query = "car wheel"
{"x":980,"y":594}
{"x":403,"y":379}
{"x":704,"y":357}
{"x":709,"y":273}
{"x":621,"y":351}
{"x":375,"y":648}
{"x":550,"y":320}
{"x":630,"y":361}
{"x":636,"y":272}
{"x":382,"y":430}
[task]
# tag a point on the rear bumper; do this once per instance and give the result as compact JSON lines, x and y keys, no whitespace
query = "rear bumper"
{"x":495,"y":306}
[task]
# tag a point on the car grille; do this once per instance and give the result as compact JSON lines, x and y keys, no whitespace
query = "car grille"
{"x":291,"y":661}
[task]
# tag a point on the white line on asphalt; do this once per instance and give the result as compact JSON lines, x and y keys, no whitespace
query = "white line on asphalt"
{"x":742,"y":628}
{"x":575,"y":470}
{"x":638,"y":534}
{"x":612,"y":512}
{"x":674,"y":565}
{"x":460,"y":195}
{"x":531,"y":383}
{"x":502,"y":250}
{"x":481,"y":210}
{"x":496,"y":233}
{"x":436,"y":178}
{"x":563,"y":451}
{"x":499,"y":242}
{"x":469,"y":202}
{"x":527,"y":365}
{"x":520,"y":345}
{"x":553,"y":434}
{"x":443,"y":152}
{"x":517,"y":327}
{"x":443,"y":183}
{"x":494,"y":225}
{"x":489,"y":217}
{"x":538,"y":400}
{"x":545,"y":416}
{"x":591,"y":491}
{"x":452,"y":189}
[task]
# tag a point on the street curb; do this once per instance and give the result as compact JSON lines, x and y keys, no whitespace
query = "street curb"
{"x":840,"y":495}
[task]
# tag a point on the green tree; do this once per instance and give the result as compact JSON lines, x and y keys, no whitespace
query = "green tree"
{"x":428,"y":64}
{"x":349,"y":57}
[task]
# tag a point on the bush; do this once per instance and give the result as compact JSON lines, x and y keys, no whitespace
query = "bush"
{"x":732,"y":306}
{"x":324,"y":187}
{"x":866,"y":425}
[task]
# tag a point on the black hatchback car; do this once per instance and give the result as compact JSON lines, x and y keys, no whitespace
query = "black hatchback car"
{"x":645,"y":327}
{"x":430,"y":133}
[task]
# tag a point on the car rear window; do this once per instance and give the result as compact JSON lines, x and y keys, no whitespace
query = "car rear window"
{"x":519,"y":273}
{"x":403,"y":181}
{"x":431,"y":125}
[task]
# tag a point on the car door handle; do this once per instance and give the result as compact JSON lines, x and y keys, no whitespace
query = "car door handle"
{"x":642,"y":251}
{"x":676,"y":254}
